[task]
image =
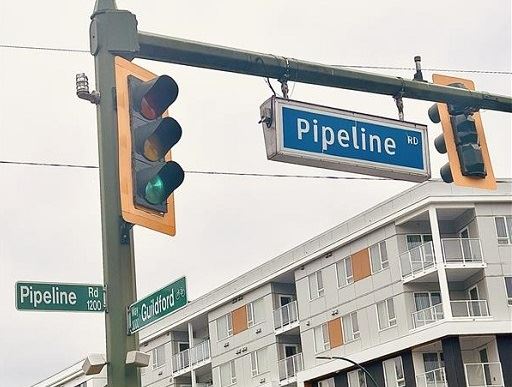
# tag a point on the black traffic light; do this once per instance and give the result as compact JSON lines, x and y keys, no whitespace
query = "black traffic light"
{"x":148,"y":176}
{"x":154,"y":177}
{"x":463,"y":139}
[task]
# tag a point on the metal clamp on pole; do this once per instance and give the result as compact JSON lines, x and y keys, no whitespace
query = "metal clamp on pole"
{"x":399,"y":101}
{"x":284,"y":80}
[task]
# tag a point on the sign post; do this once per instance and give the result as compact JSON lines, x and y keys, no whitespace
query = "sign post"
{"x":157,"y":305}
{"x":318,"y":136}
{"x":40,"y":296}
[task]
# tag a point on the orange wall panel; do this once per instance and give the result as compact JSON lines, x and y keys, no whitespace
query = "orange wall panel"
{"x":239,"y":319}
{"x":335,"y":333}
{"x":361,"y":265}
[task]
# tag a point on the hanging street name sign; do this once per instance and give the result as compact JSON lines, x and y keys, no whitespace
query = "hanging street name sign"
{"x":41,"y":296}
{"x":157,"y":305}
{"x":318,"y":136}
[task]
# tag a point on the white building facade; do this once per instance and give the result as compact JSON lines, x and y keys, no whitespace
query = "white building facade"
{"x":418,"y":290}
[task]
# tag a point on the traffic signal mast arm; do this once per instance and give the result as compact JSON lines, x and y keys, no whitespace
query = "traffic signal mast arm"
{"x":180,"y":51}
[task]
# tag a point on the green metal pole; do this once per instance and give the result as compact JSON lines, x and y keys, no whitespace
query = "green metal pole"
{"x":197,"y":54}
{"x":108,"y":34}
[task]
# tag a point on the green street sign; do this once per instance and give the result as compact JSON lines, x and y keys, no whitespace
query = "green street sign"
{"x":157,"y":305}
{"x":41,"y":296}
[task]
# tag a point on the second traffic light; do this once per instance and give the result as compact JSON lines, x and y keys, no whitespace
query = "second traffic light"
{"x":148,"y":176}
{"x":463,"y":139}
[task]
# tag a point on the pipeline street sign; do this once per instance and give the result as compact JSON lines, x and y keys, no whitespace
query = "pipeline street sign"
{"x":318,"y":136}
{"x":40,"y":296}
{"x":157,"y":305}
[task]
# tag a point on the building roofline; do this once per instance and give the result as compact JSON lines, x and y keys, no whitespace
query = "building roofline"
{"x":62,"y":376}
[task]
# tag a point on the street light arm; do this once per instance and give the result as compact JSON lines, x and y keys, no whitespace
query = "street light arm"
{"x":351,"y":362}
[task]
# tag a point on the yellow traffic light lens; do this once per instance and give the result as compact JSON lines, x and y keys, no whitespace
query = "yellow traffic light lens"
{"x":153,"y":150}
{"x":154,"y":192}
{"x":155,"y":139}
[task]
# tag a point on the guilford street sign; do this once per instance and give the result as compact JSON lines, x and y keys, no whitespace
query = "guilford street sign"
{"x":318,"y":136}
{"x":39,"y":296}
{"x":157,"y":305}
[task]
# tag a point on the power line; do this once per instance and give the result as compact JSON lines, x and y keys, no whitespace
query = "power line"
{"x":205,"y":172}
{"x":47,"y":164}
{"x":43,"y":48}
{"x":492,"y":72}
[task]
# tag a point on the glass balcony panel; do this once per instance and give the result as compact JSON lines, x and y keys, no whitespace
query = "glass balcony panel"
{"x":433,"y":378}
{"x":417,"y":259}
{"x":470,"y":308}
{"x":289,"y":366}
{"x":427,"y":316}
{"x":191,"y":357}
{"x":462,"y":250}
{"x":286,"y":315}
{"x":484,"y":374}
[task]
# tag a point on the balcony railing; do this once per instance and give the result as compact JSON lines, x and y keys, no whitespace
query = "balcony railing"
{"x":483,"y":374}
{"x":417,"y":259}
{"x":285,"y":315}
{"x":470,"y":308}
{"x":462,"y":250}
{"x":427,"y":316}
{"x":289,"y":367}
{"x":188,"y":358}
{"x":434,"y":378}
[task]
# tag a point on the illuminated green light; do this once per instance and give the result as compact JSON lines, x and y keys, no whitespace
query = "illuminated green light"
{"x":154,"y":192}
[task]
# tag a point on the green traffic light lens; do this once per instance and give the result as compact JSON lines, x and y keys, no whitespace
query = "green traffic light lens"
{"x":154,"y":192}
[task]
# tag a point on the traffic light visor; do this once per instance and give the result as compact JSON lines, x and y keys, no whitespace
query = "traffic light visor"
{"x":153,"y":97}
{"x":161,"y":185}
{"x":163,"y":137}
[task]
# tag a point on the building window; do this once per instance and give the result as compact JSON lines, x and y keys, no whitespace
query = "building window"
{"x":158,"y":355}
{"x":394,"y":372}
{"x":379,"y":257}
{"x":350,"y":327}
{"x":508,"y":286}
{"x":255,"y":312}
{"x":316,"y":285}
{"x":326,"y":383}
{"x":424,"y":300}
{"x":386,"y":313}
{"x":344,"y":272}
{"x":259,"y":362}
{"x":321,"y":333}
{"x":227,"y":374}
{"x":504,"y":229}
{"x":415,"y":240}
{"x":224,"y":327}
{"x":356,"y":378}
{"x":432,"y":361}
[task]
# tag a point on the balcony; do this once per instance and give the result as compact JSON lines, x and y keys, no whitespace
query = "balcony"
{"x":427,"y":316}
{"x":288,"y":369}
{"x":434,"y":378}
{"x":483,"y":374}
{"x":418,"y":262}
{"x":462,"y":251}
{"x":470,"y":309}
{"x":286,"y":317}
{"x":192,"y":358}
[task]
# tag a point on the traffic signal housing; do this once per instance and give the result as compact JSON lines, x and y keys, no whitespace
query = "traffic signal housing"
{"x":463,"y":139}
{"x":146,"y":134}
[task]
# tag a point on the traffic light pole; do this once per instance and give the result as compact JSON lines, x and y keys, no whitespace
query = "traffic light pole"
{"x":179,"y":51}
{"x":113,"y":31}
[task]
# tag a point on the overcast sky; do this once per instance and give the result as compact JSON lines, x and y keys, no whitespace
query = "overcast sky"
{"x":50,"y":216}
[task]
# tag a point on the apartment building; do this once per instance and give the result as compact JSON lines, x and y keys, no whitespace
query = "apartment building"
{"x":417,"y":290}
